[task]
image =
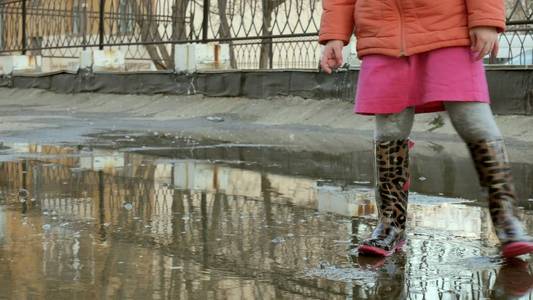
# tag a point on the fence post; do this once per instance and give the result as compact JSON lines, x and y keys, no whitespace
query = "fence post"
{"x":101,"y":25}
{"x":24,"y":16}
{"x":205,"y":22}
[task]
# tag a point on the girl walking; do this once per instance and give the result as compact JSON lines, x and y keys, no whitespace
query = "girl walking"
{"x":423,"y":56}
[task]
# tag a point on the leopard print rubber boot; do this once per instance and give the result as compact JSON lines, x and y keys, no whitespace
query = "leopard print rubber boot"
{"x":494,"y":171}
{"x":392,"y":185}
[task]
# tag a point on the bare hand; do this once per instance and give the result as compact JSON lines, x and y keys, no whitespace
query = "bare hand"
{"x":484,"y":41}
{"x":332,"y":56}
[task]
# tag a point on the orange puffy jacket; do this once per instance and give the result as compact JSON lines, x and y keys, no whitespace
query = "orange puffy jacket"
{"x":407,"y":27}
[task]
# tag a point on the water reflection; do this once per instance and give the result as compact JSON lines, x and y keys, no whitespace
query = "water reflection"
{"x":436,"y":169}
{"x":110,"y":224}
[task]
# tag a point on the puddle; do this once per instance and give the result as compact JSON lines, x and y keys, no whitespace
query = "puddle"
{"x":191,"y":220}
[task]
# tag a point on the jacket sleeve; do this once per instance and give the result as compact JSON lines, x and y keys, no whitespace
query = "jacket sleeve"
{"x":486,"y":13}
{"x":337,"y":22}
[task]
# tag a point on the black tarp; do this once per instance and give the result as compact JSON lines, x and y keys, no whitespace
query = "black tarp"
{"x":511,"y":89}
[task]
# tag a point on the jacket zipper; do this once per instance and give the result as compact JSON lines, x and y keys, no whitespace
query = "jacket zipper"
{"x":402,"y":28}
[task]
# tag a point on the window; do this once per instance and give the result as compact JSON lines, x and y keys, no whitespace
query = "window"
{"x":1,"y":29}
{"x":77,"y":14}
{"x":125,"y":15}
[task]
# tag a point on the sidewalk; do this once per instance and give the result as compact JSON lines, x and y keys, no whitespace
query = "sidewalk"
{"x":325,"y":125}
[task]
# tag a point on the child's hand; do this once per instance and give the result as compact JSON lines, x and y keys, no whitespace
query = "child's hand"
{"x":332,"y":56}
{"x":484,"y":40}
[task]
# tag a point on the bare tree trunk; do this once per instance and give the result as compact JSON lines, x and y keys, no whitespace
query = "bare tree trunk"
{"x":265,"y":56}
{"x":224,"y":30}
{"x":266,"y":43}
{"x":150,"y":33}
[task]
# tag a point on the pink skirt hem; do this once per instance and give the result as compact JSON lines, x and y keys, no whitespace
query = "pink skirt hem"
{"x":424,"y":81}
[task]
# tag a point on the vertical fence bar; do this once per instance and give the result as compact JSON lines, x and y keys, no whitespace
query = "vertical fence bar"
{"x":84,"y":24}
{"x":101,"y":25}
{"x":24,"y":17}
{"x":271,"y":54}
{"x":205,"y":21}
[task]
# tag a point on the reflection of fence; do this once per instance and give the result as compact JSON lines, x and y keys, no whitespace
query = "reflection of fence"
{"x":219,"y":231}
{"x":224,"y":228}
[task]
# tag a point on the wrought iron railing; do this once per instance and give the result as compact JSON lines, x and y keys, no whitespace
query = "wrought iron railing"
{"x":261,"y":33}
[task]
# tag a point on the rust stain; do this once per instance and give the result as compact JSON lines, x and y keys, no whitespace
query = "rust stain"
{"x":217,"y":55}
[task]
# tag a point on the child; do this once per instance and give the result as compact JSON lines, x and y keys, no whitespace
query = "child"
{"x":424,"y":56}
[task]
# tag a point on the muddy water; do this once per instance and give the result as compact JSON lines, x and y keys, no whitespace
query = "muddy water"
{"x":211,"y":221}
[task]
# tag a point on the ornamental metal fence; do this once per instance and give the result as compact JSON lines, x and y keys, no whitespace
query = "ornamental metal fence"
{"x":261,"y":34}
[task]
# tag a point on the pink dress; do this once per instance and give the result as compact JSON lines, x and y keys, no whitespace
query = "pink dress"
{"x":424,"y":81}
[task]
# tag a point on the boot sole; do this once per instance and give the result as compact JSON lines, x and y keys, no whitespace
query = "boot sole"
{"x":516,"y":249}
{"x":376,"y":251}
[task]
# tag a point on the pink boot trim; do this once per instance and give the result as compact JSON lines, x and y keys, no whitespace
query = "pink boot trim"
{"x":376,"y":251}
{"x":516,"y":248}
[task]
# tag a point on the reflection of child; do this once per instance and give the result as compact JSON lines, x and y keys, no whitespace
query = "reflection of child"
{"x":424,"y":56}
